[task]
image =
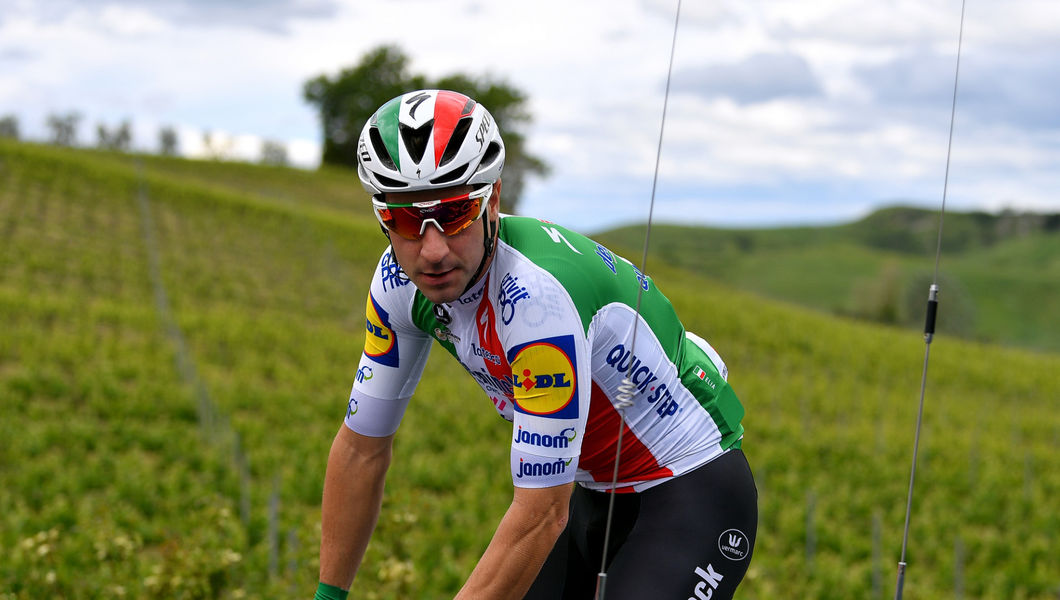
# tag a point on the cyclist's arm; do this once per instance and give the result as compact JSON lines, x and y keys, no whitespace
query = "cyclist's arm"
{"x":521,"y":543}
{"x":353,"y":494}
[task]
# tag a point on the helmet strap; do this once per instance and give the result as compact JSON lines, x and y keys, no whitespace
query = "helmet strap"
{"x":489,"y":238}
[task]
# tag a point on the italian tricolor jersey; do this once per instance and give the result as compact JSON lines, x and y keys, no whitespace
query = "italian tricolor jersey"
{"x":548,"y":333}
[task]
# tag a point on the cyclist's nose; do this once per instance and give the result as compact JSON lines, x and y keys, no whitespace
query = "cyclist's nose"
{"x":434,"y":245}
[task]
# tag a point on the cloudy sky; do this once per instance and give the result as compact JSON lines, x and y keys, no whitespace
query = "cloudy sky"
{"x":780,"y":112}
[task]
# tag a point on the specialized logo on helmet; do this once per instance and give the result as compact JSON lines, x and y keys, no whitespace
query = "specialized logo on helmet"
{"x":544,"y":382}
{"x":380,"y":342}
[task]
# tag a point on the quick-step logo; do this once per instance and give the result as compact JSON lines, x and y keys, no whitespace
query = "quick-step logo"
{"x":390,"y":273}
{"x":704,"y":590}
{"x":623,"y":361}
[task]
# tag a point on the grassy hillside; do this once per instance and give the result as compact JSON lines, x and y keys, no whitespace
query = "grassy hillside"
{"x":178,"y":340}
{"x":999,"y":274}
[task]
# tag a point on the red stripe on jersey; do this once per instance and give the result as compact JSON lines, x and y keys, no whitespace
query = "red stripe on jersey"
{"x":448,"y":108}
{"x":486,"y":327}
{"x":598,"y":447}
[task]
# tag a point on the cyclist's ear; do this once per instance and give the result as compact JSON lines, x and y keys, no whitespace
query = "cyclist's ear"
{"x":494,"y":207}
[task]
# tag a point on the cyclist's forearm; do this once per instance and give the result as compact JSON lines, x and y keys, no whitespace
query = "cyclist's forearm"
{"x":353,"y":493}
{"x":520,"y":545}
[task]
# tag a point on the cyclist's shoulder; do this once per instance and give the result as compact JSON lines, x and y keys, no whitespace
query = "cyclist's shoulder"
{"x":546,"y":243}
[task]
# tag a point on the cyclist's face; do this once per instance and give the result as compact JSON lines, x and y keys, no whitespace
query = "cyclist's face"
{"x":441,"y":266}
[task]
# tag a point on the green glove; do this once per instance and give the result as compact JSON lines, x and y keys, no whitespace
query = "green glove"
{"x":329,"y":592}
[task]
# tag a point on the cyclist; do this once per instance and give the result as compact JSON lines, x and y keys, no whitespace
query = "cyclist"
{"x":544,"y":319}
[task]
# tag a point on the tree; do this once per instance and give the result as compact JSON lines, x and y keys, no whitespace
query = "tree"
{"x":64,"y":128}
{"x":347,"y":101}
{"x":274,"y":153}
{"x":9,"y":127}
{"x":118,"y":139}
{"x":216,"y":147}
{"x":167,"y":141}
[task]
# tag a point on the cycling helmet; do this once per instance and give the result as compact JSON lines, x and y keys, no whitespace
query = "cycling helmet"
{"x":429,"y":139}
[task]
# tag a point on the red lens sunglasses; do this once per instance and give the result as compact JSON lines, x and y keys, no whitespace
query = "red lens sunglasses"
{"x":449,"y":215}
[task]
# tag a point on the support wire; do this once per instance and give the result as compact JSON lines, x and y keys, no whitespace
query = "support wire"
{"x":627,"y":388}
{"x":929,"y":324}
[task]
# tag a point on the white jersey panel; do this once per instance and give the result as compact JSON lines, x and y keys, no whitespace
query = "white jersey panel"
{"x":395,"y":352}
{"x":665,"y":416}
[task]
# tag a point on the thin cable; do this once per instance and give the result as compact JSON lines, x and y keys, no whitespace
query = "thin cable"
{"x":929,"y":324}
{"x":627,"y":388}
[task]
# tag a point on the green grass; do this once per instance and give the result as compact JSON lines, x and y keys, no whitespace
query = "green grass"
{"x":178,"y":338}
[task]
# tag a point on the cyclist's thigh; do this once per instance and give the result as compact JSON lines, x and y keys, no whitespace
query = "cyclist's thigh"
{"x":693,"y":538}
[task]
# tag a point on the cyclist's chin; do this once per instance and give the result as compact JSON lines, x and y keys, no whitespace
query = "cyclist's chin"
{"x":442,"y":288}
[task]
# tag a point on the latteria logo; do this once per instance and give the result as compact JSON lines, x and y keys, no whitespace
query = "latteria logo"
{"x":733,"y":544}
{"x":380,"y":343}
{"x":543,"y":377}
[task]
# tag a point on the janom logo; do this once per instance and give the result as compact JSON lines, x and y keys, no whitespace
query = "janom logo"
{"x":536,"y":469}
{"x":532,"y":438}
{"x":364,"y":374}
{"x":380,"y":343}
{"x":543,"y":377}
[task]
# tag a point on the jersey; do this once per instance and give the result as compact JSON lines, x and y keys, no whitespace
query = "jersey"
{"x":548,"y":333}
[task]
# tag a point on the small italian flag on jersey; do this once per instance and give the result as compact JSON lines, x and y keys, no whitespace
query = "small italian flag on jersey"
{"x":700,"y":373}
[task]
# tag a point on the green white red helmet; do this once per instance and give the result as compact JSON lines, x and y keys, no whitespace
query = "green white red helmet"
{"x":429,"y":139}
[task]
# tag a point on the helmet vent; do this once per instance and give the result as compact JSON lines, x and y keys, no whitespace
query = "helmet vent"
{"x":490,"y":156}
{"x":416,"y":139}
{"x":455,"y":141}
{"x":388,"y":182}
{"x":450,"y":177}
{"x":380,"y":148}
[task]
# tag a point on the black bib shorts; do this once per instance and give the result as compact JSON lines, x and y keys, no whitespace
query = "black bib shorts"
{"x":689,"y":538}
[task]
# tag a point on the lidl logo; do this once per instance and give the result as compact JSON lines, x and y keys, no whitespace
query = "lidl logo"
{"x":380,"y":343}
{"x":543,"y":377}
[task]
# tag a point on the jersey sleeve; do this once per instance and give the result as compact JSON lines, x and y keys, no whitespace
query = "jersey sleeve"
{"x":395,"y":352}
{"x":551,"y":382}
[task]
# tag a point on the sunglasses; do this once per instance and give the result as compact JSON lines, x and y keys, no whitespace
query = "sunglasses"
{"x":449,"y":215}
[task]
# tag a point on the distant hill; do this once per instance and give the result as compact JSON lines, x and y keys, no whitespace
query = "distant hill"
{"x":999,"y":273}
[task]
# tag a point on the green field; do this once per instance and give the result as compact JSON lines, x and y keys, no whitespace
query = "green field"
{"x":177,"y":342}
